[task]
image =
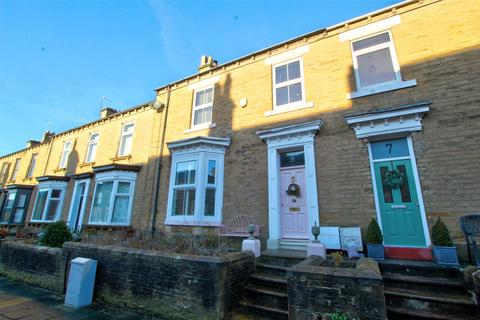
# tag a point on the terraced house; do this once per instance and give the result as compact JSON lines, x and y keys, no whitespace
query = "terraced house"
{"x":297,"y":134}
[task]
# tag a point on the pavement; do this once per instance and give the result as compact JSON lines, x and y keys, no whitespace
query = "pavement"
{"x":20,"y":301}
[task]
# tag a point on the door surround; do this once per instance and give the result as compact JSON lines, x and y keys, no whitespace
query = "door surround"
{"x":298,"y":136}
{"x":84,"y":204}
{"x":389,"y":123}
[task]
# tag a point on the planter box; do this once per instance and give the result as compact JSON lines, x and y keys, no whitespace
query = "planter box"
{"x":376,"y":251}
{"x":446,"y":255}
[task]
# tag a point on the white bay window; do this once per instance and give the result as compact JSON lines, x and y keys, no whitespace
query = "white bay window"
{"x":196,"y":181}
{"x":113,"y":198}
{"x":49,"y":201}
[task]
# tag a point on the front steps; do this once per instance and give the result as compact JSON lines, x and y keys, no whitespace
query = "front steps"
{"x":424,"y":290}
{"x":266,"y":295}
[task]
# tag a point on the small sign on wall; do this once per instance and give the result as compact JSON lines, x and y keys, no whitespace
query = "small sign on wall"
{"x":330,"y":237}
{"x":351,"y":236}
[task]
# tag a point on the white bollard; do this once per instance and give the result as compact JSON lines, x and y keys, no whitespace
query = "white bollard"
{"x":252,"y":245}
{"x":81,"y":281}
{"x":316,"y":249}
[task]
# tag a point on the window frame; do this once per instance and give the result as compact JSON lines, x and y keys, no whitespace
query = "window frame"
{"x":16,"y":168}
{"x":49,"y":187}
{"x":63,"y":163}
{"x":203,"y":125}
{"x":393,"y":54}
{"x":31,"y":167}
{"x":122,"y":137}
{"x":89,"y":146}
{"x":116,"y":177}
{"x":201,"y":150}
{"x":15,"y":205}
{"x":4,"y":172}
{"x":300,"y":80}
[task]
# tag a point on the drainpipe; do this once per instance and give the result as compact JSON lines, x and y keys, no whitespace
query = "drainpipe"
{"x":159,"y":165}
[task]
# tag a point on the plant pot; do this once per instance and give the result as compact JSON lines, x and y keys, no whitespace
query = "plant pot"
{"x":376,"y":251}
{"x":446,"y":255}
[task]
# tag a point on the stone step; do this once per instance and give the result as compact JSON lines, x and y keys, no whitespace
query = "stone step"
{"x":434,"y":303}
{"x":280,"y":270}
{"x":432,"y":284}
{"x":419,"y":268}
{"x":261,"y":312}
{"x":267,"y":280}
{"x":266,"y":297}
{"x":395,"y":313}
{"x":282,"y":257}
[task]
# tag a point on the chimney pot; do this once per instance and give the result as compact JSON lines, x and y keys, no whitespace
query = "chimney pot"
{"x":47,"y":135}
{"x":107,"y":112}
{"x":207,"y":63}
{"x":32,"y":143}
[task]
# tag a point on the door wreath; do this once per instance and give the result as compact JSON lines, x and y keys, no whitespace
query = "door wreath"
{"x":394,"y":179}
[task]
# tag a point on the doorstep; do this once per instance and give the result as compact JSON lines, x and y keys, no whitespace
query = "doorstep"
{"x":408,"y":253}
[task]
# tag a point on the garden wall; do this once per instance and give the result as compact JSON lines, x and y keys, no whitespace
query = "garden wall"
{"x":315,"y":290}
{"x":173,"y":286}
{"x":40,"y":266}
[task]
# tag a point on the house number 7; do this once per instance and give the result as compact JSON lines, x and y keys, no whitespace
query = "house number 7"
{"x":389,"y":146}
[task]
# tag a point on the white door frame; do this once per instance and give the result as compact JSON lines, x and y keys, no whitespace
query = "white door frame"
{"x":279,"y":139}
{"x":418,"y":188}
{"x":84,"y":204}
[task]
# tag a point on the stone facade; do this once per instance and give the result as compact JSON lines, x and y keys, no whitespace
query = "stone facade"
{"x":444,"y":60}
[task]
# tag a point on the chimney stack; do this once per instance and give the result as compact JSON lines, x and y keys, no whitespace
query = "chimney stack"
{"x":207,"y":63}
{"x":107,"y":112}
{"x":47,"y":135}
{"x":32,"y":143}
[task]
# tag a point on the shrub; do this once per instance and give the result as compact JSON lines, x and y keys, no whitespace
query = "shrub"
{"x":374,"y":234}
{"x":56,"y":234}
{"x":441,"y":235}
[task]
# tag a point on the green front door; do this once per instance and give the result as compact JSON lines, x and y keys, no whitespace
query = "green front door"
{"x":399,"y":206}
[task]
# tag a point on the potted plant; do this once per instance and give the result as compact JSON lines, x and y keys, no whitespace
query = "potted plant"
{"x":374,"y":239}
{"x":443,"y":250}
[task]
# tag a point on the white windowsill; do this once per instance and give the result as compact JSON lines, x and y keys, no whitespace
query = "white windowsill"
{"x":367,"y":91}
{"x":199,"y":223}
{"x":289,"y":108}
{"x":201,"y":127}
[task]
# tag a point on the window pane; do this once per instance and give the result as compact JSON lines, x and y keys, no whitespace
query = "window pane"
{"x":126,"y":145}
{"x":292,"y":158}
{"x":282,"y":95}
{"x":185,"y":173}
{"x":280,"y":74}
{"x":387,"y":192}
{"x":123,"y":187}
{"x":15,"y":169}
{"x":209,"y":202}
{"x":40,"y":205}
{"x":91,"y":152}
{"x":200,"y":98}
{"x":211,"y":171}
{"x":8,"y":206}
{"x":184,"y":202}
{"x":295,"y":92}
{"x":94,"y":137}
{"x":120,"y":209}
{"x":294,"y":70}
{"x":390,"y":149}
{"x":18,"y":217}
{"x":32,"y":166}
{"x":207,"y":115}
{"x":209,"y":95}
{"x":405,"y":189}
{"x":128,"y":128}
{"x":52,"y":208}
{"x":101,"y":202}
{"x":370,"y":42}
{"x":56,"y":193}
{"x":22,"y":200}
{"x":198,"y":117}
{"x":375,"y":67}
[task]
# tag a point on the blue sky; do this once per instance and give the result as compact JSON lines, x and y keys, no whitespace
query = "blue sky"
{"x":58,"y":58}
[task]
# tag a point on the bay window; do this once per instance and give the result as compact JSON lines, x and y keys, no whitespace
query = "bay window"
{"x":49,"y":202}
{"x":113,"y":198}
{"x":196,"y":181}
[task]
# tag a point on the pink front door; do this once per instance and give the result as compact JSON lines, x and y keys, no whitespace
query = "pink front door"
{"x":293,"y":209}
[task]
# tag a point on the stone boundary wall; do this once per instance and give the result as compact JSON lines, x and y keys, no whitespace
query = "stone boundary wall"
{"x":173,"y":286}
{"x":37,"y":265}
{"x":315,"y":290}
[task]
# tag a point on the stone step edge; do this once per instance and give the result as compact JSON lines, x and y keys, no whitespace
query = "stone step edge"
{"x":278,"y":294}
{"x":268,"y":278}
{"x":414,"y":313}
{"x":247,"y":305}
{"x":423,"y":296}
{"x":423,"y":280}
{"x":272,"y":266}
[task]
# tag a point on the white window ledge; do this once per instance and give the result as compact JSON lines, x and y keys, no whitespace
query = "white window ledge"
{"x":289,"y":108}
{"x":382,"y":88}
{"x":199,"y":223}
{"x":201,"y":127}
